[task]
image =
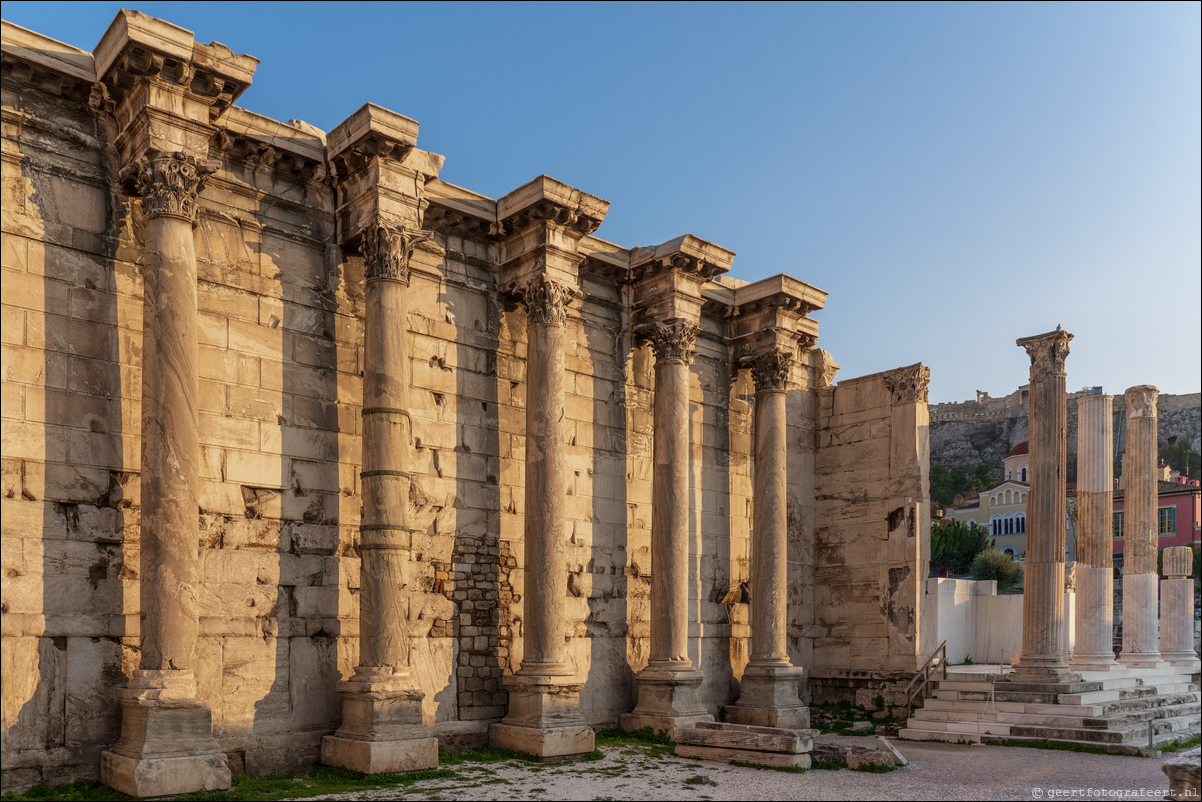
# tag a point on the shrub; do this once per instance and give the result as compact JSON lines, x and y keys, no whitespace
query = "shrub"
{"x":992,"y":564}
{"x":955,"y":544}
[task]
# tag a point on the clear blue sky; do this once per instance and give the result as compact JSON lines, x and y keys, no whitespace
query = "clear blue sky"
{"x":956,"y":176}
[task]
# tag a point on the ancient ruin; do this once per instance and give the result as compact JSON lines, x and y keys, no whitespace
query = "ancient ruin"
{"x":311,"y":456}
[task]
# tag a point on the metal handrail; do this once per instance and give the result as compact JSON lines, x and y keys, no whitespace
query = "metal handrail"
{"x":924,"y":674}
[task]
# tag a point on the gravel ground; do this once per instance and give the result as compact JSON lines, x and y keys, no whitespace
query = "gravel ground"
{"x":936,"y":771}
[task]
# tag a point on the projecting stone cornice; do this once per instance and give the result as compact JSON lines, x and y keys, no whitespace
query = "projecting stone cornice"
{"x":52,"y":66}
{"x":138,"y":49}
{"x":458,"y":212}
{"x":667,"y":279}
{"x":546,"y":200}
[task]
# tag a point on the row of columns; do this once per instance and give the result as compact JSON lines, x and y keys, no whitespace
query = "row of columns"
{"x":1156,"y":615}
{"x":167,"y":744}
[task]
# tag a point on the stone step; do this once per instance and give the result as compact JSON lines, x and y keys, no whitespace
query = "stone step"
{"x":958,"y":685}
{"x":1148,"y":702}
{"x":912,"y":734}
{"x":1039,"y":720}
{"x":1123,"y":693}
{"x":1092,"y":711}
{"x":976,"y":707}
{"x":955,"y":715}
{"x":1119,"y":735}
{"x":1117,"y":749}
{"x":970,"y":727}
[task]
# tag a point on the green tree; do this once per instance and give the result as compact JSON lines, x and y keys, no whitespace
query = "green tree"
{"x":946,"y":484}
{"x":993,"y":564}
{"x":1182,"y":459}
{"x":955,"y":544}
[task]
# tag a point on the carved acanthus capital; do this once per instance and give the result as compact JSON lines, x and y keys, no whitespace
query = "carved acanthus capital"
{"x":824,"y":366}
{"x":673,"y":342}
{"x":546,"y":301}
{"x":1141,"y":401}
{"x":169,"y":185}
{"x":1047,"y":351}
{"x":909,"y":385}
{"x":387,"y":250}
{"x":770,"y":370}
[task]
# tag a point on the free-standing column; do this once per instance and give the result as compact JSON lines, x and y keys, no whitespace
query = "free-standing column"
{"x":1043,"y":654}
{"x":768,"y":691}
{"x":1177,"y":608}
{"x":669,"y":685}
{"x":1095,"y":562}
{"x":544,"y":695}
{"x":160,"y":712}
{"x":382,"y":704}
{"x":1141,"y":640}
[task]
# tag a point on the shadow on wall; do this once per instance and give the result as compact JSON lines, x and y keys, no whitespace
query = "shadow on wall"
{"x":72,"y":344}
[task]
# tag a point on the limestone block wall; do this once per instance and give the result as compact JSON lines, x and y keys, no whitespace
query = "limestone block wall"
{"x":871,"y":541}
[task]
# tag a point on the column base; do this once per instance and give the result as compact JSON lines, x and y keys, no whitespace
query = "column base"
{"x":669,"y":698}
{"x":1042,"y":673}
{"x":1187,"y":660}
{"x":382,"y":728}
{"x":768,"y":697}
{"x":544,"y":717}
{"x":167,"y":744}
{"x":1094,"y":662}
{"x":375,"y":757}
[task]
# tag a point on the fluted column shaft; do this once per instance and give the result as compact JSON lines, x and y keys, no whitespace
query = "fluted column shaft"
{"x":546,"y":585}
{"x":1043,"y":591}
{"x":1094,"y":624}
{"x":1141,"y":641}
{"x":769,"y":563}
{"x":670,"y":502}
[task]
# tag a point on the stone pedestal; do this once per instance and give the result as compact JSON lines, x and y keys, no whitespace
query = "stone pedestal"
{"x":544,"y":716}
{"x":1094,"y":609}
{"x":768,"y":691}
{"x":1044,"y":656}
{"x":167,"y":744}
{"x":1177,"y":609}
{"x":1141,"y":635}
{"x":780,"y":747}
{"x":669,"y":687}
{"x":382,"y":728}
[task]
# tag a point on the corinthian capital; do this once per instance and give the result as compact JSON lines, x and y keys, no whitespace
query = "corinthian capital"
{"x":908,"y":385}
{"x":1141,"y":401}
{"x":770,"y":371}
{"x":673,"y":342}
{"x":169,"y":184}
{"x":1047,"y":351}
{"x":387,"y":250}
{"x":546,"y":301}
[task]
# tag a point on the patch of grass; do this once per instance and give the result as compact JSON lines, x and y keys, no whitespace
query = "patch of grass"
{"x":1178,"y":746}
{"x":323,"y":780}
{"x":825,"y":765}
{"x":721,"y":712}
{"x":875,"y":769}
{"x":616,"y":736}
{"x":483,"y":754}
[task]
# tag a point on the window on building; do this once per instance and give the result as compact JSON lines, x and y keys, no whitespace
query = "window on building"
{"x":1023,"y":472}
{"x":1166,"y":520}
{"x":1022,"y":523}
{"x":972,"y":524}
{"x":1118,"y":525}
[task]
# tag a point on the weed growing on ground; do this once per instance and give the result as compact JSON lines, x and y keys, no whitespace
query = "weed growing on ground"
{"x":875,"y":769}
{"x":323,"y":780}
{"x":786,"y":769}
{"x":1178,"y":746}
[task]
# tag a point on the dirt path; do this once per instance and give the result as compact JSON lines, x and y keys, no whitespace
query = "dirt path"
{"x":936,"y":771}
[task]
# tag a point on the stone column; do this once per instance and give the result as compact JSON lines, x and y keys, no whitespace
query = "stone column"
{"x":382,"y":728}
{"x":1043,"y":652}
{"x":1177,"y":609}
{"x":1095,"y":539}
{"x":768,"y":694}
{"x":1141,"y":639}
{"x":669,"y":686}
{"x":167,"y":744}
{"x":544,"y":716}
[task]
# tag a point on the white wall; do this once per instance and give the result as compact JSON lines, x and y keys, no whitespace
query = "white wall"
{"x":981,"y":625}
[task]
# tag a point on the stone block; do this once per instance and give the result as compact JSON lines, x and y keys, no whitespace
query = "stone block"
{"x":163,"y":776}
{"x":375,"y":757}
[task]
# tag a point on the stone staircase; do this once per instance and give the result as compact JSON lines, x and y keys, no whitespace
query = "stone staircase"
{"x":1110,"y":710}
